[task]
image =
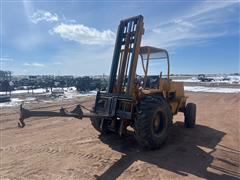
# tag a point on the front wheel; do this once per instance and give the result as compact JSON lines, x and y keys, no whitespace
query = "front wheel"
{"x":152,"y":122}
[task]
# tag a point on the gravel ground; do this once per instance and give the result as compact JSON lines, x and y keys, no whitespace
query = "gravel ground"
{"x":68,"y":148}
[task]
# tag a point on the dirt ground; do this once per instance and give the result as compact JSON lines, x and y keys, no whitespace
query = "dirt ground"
{"x":68,"y":148}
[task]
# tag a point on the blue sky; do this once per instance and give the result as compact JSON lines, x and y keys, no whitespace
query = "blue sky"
{"x":77,"y":37}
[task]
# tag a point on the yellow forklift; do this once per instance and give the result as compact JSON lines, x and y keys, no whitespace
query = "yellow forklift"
{"x":147,"y":104}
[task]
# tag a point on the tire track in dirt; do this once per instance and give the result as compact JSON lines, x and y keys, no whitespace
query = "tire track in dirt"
{"x":66,"y":148}
{"x":48,"y":147}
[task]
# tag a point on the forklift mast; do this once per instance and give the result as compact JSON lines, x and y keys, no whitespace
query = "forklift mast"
{"x":118,"y":101}
{"x":125,"y":56}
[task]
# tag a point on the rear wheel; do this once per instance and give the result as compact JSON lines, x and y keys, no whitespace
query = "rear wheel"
{"x":152,"y":122}
{"x":190,"y":115}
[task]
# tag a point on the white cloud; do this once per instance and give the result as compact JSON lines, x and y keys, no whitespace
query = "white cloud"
{"x":57,"y":63}
{"x":42,"y":15}
{"x":27,"y":64}
{"x":35,"y":64}
{"x":183,"y":23}
{"x":209,"y":6}
{"x":38,"y":65}
{"x":6,"y":59}
{"x":83,"y":34}
{"x":68,"y":29}
{"x":200,"y":24}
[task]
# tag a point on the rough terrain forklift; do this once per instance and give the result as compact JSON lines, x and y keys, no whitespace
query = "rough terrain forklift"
{"x":146,"y":103}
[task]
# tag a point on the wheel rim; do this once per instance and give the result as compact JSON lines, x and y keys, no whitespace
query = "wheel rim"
{"x":159,"y":123}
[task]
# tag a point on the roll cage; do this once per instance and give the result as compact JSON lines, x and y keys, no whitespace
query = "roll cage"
{"x":148,"y":53}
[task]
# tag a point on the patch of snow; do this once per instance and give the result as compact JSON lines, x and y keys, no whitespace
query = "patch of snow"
{"x":68,"y":94}
{"x":73,"y":93}
{"x":36,"y":91}
{"x":216,"y":79}
{"x":13,"y":102}
{"x":90,"y":93}
{"x":234,"y":79}
{"x":47,"y":101}
{"x":187,"y":80}
{"x":40,"y":90}
{"x":30,"y":99}
{"x":211,"y":89}
{"x":70,"y":89}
